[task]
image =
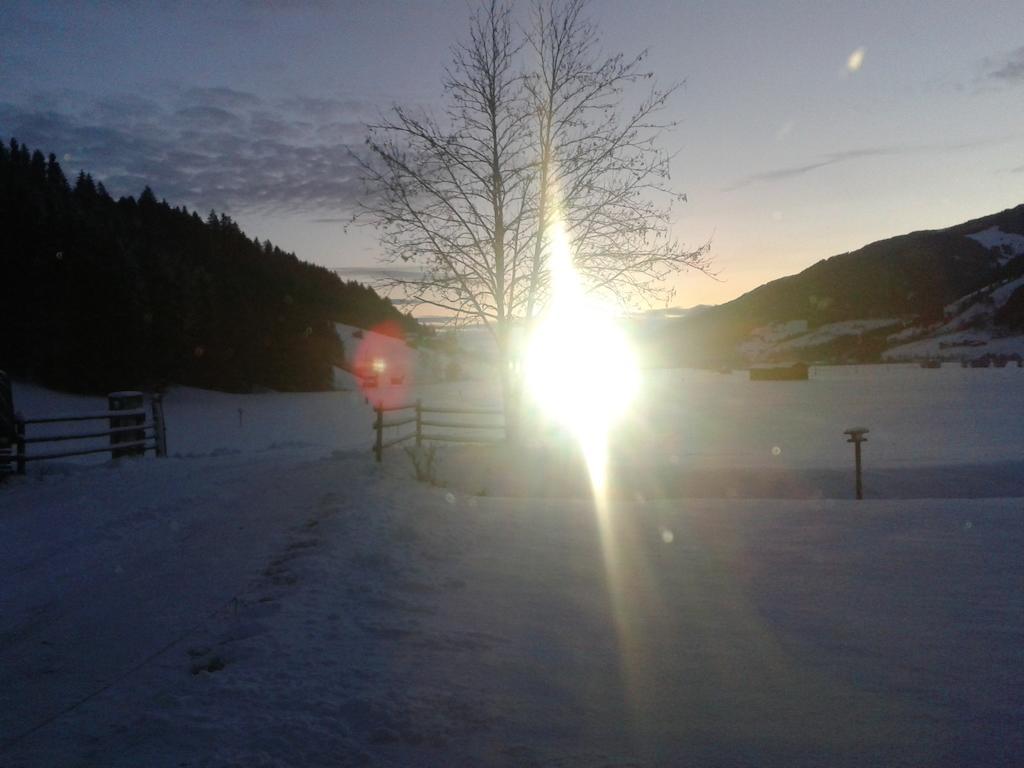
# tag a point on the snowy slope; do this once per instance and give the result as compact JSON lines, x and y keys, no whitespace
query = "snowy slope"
{"x":1006,"y":244}
{"x":828,"y":333}
{"x":957,"y":346}
{"x":994,"y":296}
{"x":969,"y":320}
{"x":777,"y":340}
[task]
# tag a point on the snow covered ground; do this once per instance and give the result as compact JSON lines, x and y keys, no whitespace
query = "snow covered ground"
{"x":917,"y":417}
{"x":304,"y":606}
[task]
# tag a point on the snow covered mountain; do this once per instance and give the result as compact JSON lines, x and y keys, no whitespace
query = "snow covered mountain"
{"x":938,"y":293}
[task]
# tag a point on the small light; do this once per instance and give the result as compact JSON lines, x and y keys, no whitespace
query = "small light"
{"x":855,"y":60}
{"x":380,"y":365}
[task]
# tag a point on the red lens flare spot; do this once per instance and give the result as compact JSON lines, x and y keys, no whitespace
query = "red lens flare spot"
{"x":384,"y":364}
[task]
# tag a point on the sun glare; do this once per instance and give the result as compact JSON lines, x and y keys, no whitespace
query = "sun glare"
{"x":580,"y":369}
{"x":581,"y":372}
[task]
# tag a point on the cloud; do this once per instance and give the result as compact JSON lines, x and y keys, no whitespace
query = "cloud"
{"x":382,"y":273}
{"x":784,"y":130}
{"x":211,"y":117}
{"x":833,"y":158}
{"x":778,"y":174}
{"x":226,"y":98}
{"x":203,"y":147}
{"x":1010,"y":68}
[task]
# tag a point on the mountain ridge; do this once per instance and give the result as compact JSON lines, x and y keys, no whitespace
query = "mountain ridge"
{"x":910,"y":279}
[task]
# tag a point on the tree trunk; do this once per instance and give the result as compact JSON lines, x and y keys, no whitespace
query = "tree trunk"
{"x":507,"y":379}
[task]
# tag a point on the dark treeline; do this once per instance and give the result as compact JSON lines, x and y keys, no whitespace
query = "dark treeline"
{"x":99,"y":294}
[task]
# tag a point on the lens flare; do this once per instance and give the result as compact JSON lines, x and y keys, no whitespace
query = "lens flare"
{"x":580,"y":371}
{"x":579,"y":366}
{"x":855,"y":60}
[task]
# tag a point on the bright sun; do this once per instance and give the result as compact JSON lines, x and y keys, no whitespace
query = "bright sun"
{"x":579,"y":366}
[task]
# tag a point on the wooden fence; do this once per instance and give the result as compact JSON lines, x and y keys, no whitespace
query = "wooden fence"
{"x":128,"y":431}
{"x":435,"y":417}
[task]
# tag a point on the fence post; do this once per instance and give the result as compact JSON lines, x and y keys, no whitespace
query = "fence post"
{"x":156,"y":404}
{"x":127,"y":401}
{"x":19,"y":440}
{"x":419,"y":424}
{"x":378,"y":447}
{"x":857,"y":437}
{"x":6,"y":411}
{"x":8,"y":432}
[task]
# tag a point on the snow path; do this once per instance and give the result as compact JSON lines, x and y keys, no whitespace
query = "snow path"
{"x":366,"y":620}
{"x":134,"y":557}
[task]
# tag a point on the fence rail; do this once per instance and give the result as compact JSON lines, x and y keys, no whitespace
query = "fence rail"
{"x":84,"y":435}
{"x":87,"y":416}
{"x":129,"y":433}
{"x":420,"y":436}
{"x":481,"y":411}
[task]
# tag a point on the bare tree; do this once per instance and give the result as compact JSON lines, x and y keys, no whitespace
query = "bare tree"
{"x":600,"y":169}
{"x":534,"y":130}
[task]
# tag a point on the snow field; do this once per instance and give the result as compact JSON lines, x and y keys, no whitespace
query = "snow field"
{"x":304,"y":606}
{"x":702,"y":420}
{"x":394,"y":624}
{"x":917,"y":417}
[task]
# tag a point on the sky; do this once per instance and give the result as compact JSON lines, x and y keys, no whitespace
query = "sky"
{"x":805,"y":129}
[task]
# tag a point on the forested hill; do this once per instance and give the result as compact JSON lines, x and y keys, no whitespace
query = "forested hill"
{"x":100,"y":294}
